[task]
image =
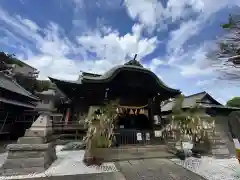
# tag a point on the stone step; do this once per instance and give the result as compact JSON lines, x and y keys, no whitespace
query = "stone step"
{"x":220,"y":151}
{"x":217,"y":143}
{"x":31,"y":140}
{"x":221,"y":156}
{"x":171,"y":143}
{"x":22,"y":171}
{"x":130,"y":153}
{"x":216,"y":133}
{"x":219,"y":146}
{"x":215,"y":138}
{"x":26,"y":163}
{"x":26,"y":154}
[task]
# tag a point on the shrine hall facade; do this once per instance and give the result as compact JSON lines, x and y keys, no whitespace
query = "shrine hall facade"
{"x":139,"y":91}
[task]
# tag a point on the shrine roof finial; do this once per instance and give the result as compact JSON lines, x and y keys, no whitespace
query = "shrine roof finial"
{"x":134,"y":62}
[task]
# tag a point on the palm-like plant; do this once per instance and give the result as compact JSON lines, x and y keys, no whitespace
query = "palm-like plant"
{"x":100,"y":124}
{"x":192,"y":122}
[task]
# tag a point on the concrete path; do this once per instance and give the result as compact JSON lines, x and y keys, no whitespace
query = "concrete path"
{"x":155,"y":169}
{"x":95,"y":176}
{"x":149,"y":169}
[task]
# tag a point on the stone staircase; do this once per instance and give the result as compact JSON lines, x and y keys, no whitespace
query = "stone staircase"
{"x":222,"y":145}
{"x":133,"y":152}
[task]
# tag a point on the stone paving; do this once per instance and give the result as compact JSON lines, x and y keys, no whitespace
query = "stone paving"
{"x":155,"y":169}
{"x":212,"y":168}
{"x":69,"y":166}
{"x":148,"y":169}
{"x":98,"y":176}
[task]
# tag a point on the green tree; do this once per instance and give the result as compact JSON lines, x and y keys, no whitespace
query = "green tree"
{"x":234,"y":102}
{"x":229,"y":46}
{"x":29,"y":83}
{"x":6,"y":60}
{"x":226,"y":55}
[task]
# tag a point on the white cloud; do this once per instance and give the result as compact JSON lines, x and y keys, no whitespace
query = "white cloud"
{"x":153,"y":14}
{"x":54,"y":47}
{"x":113,"y":49}
{"x":31,"y":25}
{"x":180,"y":36}
{"x":205,"y":82}
{"x":146,"y":11}
{"x":194,"y":71}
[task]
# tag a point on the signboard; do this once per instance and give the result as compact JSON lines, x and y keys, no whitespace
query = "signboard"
{"x":187,"y":145}
{"x":158,"y":133}
{"x":139,"y":136}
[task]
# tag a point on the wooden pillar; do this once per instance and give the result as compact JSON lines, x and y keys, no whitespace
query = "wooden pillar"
{"x":150,"y":111}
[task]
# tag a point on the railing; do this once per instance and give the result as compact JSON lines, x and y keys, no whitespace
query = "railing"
{"x":135,"y":137}
{"x":72,"y":130}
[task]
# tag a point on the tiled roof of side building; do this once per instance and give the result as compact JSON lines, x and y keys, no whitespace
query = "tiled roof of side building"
{"x":11,"y":85}
{"x":189,"y":101}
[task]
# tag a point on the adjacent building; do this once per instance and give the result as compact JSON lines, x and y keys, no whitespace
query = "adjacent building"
{"x":17,"y":107}
{"x":25,"y":70}
{"x":201,"y":100}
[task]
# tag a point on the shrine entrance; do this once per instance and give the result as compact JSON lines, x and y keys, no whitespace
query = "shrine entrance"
{"x":132,"y":121}
{"x":134,"y":118}
{"x":135,"y":122}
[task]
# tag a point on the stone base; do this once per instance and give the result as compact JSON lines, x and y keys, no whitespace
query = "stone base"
{"x":25,"y":171}
{"x":28,"y":158}
{"x":38,"y":132}
{"x":31,"y":140}
{"x":131,"y":153}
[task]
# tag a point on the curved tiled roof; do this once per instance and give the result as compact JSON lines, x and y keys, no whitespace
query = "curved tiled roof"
{"x":109,"y":75}
{"x":11,"y":85}
{"x":112,"y":73}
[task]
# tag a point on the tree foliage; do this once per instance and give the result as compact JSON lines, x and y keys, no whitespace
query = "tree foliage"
{"x":230,"y":44}
{"x":8,"y":59}
{"x":234,"y":102}
{"x":32,"y":84}
{"x":226,"y":56}
{"x":29,"y":83}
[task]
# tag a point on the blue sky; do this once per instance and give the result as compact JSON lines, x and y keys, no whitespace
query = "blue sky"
{"x":171,"y":37}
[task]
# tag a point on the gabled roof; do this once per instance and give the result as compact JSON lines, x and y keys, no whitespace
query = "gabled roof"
{"x":10,"y":84}
{"x":193,"y":100}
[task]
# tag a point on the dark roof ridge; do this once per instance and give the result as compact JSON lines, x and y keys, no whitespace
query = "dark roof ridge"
{"x":10,"y":78}
{"x":202,"y":92}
